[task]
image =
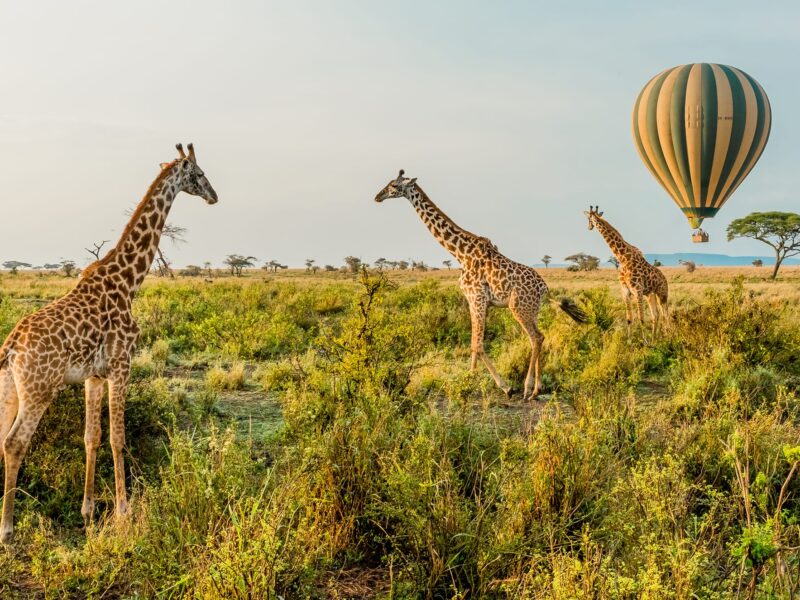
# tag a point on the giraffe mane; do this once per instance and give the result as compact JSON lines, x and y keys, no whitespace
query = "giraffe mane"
{"x":614,"y":229}
{"x":134,"y":217}
{"x":443,"y":214}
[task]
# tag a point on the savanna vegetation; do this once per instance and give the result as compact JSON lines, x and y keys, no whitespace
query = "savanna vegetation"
{"x":304,"y":435}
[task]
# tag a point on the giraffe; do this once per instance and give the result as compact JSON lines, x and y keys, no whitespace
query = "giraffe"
{"x":88,"y":336}
{"x":488,"y":278}
{"x":638,"y":278}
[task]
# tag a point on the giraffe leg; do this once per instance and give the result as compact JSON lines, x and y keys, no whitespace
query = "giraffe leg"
{"x":477,"y":309}
{"x":626,"y":297}
{"x":527,"y":319}
{"x":94,"y":388}
{"x":652,"y":302}
{"x":15,"y":445}
{"x":640,"y":307}
{"x":8,"y":404}
{"x":117,"y":387}
{"x":664,"y":309}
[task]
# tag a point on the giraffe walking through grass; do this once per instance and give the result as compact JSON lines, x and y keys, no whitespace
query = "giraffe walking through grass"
{"x":488,"y":278}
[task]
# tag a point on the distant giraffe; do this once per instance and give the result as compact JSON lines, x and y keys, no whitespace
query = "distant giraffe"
{"x":88,"y":336}
{"x":638,"y":278}
{"x":488,"y":278}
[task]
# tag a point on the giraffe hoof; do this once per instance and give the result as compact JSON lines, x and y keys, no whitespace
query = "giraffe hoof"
{"x":5,"y":537}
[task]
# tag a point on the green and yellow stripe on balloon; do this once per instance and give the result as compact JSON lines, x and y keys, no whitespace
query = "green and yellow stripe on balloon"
{"x":700,"y":129}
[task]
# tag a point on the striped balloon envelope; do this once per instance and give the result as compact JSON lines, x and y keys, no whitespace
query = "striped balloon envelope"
{"x":700,"y":129}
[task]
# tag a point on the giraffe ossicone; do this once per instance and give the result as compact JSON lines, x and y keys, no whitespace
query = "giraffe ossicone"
{"x":88,"y":336}
{"x":488,"y":278}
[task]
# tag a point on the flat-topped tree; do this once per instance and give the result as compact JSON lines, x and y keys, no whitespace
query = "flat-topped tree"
{"x":238,"y":263}
{"x":353,"y":263}
{"x":88,"y":336}
{"x":583,"y":262}
{"x":15,"y":265}
{"x":779,"y":230}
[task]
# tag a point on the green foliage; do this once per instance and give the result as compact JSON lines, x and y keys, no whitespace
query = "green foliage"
{"x":661,"y":467}
{"x":779,"y":230}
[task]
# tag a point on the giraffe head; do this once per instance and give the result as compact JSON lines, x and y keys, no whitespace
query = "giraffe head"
{"x":397,"y":188}
{"x":594,"y":213}
{"x":191,"y":178}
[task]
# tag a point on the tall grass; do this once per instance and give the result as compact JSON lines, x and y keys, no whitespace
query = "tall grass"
{"x":661,"y":467}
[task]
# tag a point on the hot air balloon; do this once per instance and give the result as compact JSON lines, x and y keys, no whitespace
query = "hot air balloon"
{"x":700,"y":129}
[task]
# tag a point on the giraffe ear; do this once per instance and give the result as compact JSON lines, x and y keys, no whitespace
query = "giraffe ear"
{"x":163,"y":165}
{"x":600,"y":214}
{"x":411,"y":181}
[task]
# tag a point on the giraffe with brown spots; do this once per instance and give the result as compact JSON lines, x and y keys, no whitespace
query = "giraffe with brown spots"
{"x":638,"y":278}
{"x":488,"y":278}
{"x":88,"y":336}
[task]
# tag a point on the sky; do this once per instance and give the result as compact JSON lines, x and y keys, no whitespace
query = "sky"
{"x":514,"y":116}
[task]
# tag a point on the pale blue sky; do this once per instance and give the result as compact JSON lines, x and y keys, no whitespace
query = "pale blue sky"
{"x":515,"y":116}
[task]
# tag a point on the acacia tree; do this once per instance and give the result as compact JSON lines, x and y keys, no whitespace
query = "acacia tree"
{"x":689,"y":264}
{"x":547,"y":259}
{"x":352,"y":263}
{"x":448,"y":263}
{"x":583,"y":262}
{"x":237,"y":263}
{"x":68,"y":266}
{"x":14,"y":265}
{"x":310,"y":264}
{"x":192,"y":271}
{"x":779,"y":230}
{"x":614,"y":261}
{"x":381,"y":264}
{"x":273,"y":266}
{"x":418,"y":265}
{"x":758,"y":262}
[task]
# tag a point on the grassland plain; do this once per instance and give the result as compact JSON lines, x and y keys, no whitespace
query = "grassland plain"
{"x":319,"y":436}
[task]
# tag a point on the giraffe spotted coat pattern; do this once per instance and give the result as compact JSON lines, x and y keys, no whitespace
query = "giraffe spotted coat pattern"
{"x":88,"y":336}
{"x":488,"y":278}
{"x":638,"y":278}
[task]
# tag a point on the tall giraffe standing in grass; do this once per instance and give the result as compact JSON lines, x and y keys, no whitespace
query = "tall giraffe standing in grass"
{"x":488,"y":279}
{"x":638,"y":278}
{"x":88,"y":336}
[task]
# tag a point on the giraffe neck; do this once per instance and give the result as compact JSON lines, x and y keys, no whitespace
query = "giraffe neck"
{"x":453,"y":238}
{"x":130,"y":260}
{"x":624,"y":251}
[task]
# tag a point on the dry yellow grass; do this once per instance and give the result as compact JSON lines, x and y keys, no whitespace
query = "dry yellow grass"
{"x":45,"y":286}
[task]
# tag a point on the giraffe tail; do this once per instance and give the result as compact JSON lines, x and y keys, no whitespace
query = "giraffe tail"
{"x":572,"y":309}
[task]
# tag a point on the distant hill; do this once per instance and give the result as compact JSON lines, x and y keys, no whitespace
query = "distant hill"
{"x":714,"y":260}
{"x":700,"y":258}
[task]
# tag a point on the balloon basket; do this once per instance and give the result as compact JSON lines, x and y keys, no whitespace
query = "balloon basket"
{"x":700,"y":237}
